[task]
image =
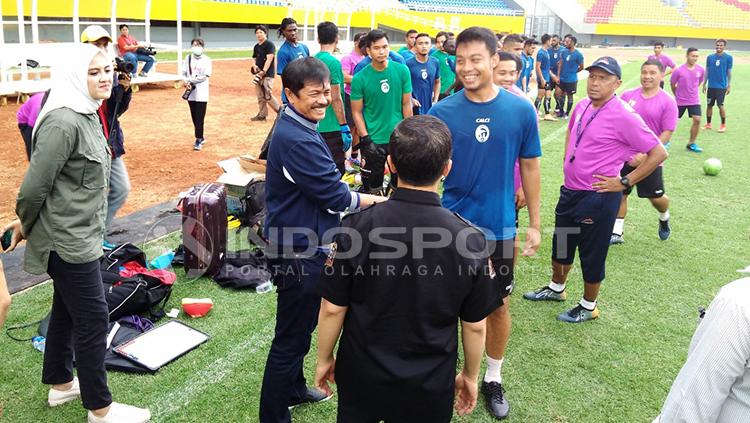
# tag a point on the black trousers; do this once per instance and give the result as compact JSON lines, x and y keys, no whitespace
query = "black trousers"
{"x":336,"y":147}
{"x":26,"y":132}
{"x":373,"y":171}
{"x":198,"y":114}
{"x":78,"y":325}
{"x":297,"y":307}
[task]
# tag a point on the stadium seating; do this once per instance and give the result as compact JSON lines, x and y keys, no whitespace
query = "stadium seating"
{"x":733,"y":14}
{"x":485,"y":7}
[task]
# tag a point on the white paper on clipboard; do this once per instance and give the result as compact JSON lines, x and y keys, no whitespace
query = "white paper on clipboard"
{"x":159,"y":346}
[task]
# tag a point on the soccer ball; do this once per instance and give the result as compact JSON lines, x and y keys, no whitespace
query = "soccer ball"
{"x":712,"y":166}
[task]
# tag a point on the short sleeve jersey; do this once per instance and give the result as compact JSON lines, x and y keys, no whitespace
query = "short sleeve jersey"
{"x":688,"y":83}
{"x":570,"y":63}
{"x":447,"y":74}
{"x":260,"y":54}
{"x":718,"y":67}
{"x":601,"y":140}
{"x":288,"y":53}
{"x":381,"y":93}
{"x":488,"y":138}
{"x":542,"y":57}
{"x":423,"y":77}
{"x":665,"y":60}
{"x":554,"y":58}
{"x":659,"y":112}
{"x":330,"y":123}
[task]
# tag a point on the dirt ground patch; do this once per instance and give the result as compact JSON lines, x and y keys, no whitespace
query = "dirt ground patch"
{"x":159,"y":138}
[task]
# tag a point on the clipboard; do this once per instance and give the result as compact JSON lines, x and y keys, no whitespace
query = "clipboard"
{"x":162,"y":345}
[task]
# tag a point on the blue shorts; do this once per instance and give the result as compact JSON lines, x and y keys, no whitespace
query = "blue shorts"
{"x":583,"y":221}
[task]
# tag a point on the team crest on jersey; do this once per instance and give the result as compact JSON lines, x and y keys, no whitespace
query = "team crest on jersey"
{"x":424,"y":73}
{"x":567,"y":59}
{"x":300,"y":55}
{"x":482,"y":133}
{"x":631,"y":103}
{"x":384,"y":87}
{"x":718,"y":62}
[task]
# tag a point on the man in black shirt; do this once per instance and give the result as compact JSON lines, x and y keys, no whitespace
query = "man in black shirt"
{"x":264,"y":69}
{"x":399,"y":300}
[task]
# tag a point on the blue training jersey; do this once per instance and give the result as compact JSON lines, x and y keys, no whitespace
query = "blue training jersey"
{"x":554,"y":58}
{"x":570,"y":64}
{"x":542,"y":57}
{"x":288,"y":53}
{"x":528,"y":69}
{"x":717,"y":68}
{"x":488,"y":138}
{"x":423,"y":77}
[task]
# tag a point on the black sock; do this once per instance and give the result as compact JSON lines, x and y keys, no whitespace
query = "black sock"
{"x":537,"y":102}
{"x":559,"y":103}
{"x":708,"y":118}
{"x":570,"y":104}
{"x":547,"y":102}
{"x":723,"y":120}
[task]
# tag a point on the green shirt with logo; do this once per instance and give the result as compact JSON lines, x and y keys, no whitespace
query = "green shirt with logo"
{"x":381,"y":93}
{"x":330,"y":123}
{"x":447,"y":76}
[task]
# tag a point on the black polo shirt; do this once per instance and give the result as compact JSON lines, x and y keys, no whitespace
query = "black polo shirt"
{"x":400,"y":331}
{"x":260,"y":52}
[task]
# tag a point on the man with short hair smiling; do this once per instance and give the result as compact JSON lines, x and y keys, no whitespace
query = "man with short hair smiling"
{"x":603,"y":132}
{"x":398,"y":352}
{"x":685,"y":81}
{"x":303,"y":191}
{"x":659,"y":110}
{"x":491,"y":129}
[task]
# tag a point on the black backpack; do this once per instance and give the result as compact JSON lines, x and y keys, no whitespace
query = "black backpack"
{"x":139,"y":294}
{"x":254,"y":204}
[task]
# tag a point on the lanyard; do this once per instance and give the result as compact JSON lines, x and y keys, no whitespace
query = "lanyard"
{"x":580,"y":130}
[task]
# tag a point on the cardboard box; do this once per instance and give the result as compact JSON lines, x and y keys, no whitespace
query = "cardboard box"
{"x":239,"y":172}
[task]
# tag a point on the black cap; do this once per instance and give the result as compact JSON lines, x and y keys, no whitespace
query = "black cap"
{"x":607,"y":64}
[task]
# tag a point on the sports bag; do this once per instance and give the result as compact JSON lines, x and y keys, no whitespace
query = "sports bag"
{"x":139,"y":294}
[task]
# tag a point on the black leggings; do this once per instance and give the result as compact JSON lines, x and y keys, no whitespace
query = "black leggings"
{"x":198,"y":114}
{"x":78,"y":325}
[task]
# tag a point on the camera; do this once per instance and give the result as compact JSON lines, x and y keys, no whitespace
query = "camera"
{"x":123,"y":66}
{"x":147,"y":51}
{"x":257,"y":78}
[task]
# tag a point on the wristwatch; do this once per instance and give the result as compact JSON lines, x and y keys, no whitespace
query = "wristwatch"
{"x":625,"y":181}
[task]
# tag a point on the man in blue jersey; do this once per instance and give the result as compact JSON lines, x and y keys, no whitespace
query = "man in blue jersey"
{"x":407,"y":51}
{"x":290,"y":50}
{"x":491,"y":128}
{"x":425,"y":75}
{"x":571,"y":62}
{"x":555,"y":49}
{"x":529,"y":45}
{"x":543,"y":78}
{"x":719,"y":70}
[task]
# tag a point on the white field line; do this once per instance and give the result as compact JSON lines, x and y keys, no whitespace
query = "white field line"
{"x":213,"y":374}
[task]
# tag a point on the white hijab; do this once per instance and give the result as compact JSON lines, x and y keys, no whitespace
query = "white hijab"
{"x":70,"y":83}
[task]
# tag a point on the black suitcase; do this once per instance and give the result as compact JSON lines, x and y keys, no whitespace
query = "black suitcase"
{"x":204,"y":229}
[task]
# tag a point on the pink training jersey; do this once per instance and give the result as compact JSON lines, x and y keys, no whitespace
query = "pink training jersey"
{"x":665,"y":60}
{"x":659,"y":112}
{"x":348,"y":63}
{"x":28,"y":113}
{"x":688,"y":82}
{"x":615,"y":135}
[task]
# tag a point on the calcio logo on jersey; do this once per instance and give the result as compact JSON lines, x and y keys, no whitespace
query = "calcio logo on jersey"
{"x":631,"y":103}
{"x":384,"y":87}
{"x":424,"y":73}
{"x":482,"y":133}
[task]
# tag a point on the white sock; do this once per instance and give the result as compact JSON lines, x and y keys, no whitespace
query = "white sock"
{"x":588,"y":305}
{"x":494,"y":370}
{"x":557,"y":287}
{"x":619,"y":226}
{"x":664,"y":216}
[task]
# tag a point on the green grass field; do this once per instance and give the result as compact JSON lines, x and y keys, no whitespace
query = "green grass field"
{"x":616,"y":369}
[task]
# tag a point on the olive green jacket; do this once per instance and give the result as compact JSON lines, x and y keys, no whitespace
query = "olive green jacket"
{"x":62,"y":202}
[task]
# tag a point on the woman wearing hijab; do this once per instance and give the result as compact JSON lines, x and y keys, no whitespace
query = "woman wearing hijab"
{"x":62,"y":206}
{"x":196,"y":71}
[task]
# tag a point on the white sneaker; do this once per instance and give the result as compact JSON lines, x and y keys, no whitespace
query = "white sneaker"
{"x":122,"y":413}
{"x":55,"y":397}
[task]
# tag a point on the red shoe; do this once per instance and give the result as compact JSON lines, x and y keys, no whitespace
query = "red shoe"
{"x":707,"y":127}
{"x":722,"y":128}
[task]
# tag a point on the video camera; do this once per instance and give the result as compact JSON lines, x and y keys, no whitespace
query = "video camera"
{"x":146,"y":51}
{"x":123,"y":67}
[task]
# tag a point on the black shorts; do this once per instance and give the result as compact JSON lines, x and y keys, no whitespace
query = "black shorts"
{"x":348,"y":110}
{"x":336,"y":147}
{"x":569,"y":87}
{"x":652,"y":186}
{"x":694,"y":110}
{"x":552,"y":84}
{"x":716,"y":96}
{"x":502,"y":263}
{"x":547,"y":86}
{"x":583,"y":221}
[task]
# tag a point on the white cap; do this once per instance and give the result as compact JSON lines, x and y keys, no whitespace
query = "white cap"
{"x":93,"y":33}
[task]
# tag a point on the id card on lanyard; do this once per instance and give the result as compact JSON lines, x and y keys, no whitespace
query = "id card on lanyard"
{"x":580,"y":129}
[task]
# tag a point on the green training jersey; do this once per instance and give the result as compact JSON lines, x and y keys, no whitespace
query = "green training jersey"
{"x":330,"y":123}
{"x":381,"y":93}
{"x":447,"y":76}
